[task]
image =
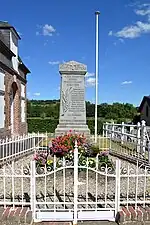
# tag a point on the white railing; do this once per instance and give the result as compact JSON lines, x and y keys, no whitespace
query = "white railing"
{"x":130,"y":139}
{"x":11,"y":148}
{"x":64,"y":192}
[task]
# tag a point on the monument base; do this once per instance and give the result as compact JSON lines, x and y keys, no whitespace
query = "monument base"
{"x":80,"y":129}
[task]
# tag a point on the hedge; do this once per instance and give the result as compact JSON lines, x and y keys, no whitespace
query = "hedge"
{"x":49,"y":125}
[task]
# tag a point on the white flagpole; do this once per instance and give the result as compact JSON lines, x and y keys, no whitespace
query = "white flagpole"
{"x":96,"y":75}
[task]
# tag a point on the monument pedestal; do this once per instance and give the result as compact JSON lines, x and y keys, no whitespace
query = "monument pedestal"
{"x":72,"y":99}
{"x":63,"y":129}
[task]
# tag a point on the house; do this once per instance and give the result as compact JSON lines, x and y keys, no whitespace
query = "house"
{"x":144,"y":109}
{"x":13,"y":81}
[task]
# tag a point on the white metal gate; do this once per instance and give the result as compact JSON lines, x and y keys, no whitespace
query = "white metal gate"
{"x":72,"y":192}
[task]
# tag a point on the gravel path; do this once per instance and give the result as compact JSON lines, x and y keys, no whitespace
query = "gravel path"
{"x":60,"y":194}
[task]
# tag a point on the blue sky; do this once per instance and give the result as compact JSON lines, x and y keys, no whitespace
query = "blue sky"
{"x":55,"y":31}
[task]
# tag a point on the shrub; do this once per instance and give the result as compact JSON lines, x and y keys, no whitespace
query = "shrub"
{"x":49,"y":125}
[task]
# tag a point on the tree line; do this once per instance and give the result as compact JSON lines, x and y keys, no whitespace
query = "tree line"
{"x":118,"y":112}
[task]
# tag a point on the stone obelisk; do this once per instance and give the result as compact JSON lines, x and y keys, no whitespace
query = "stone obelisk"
{"x":72,"y":99}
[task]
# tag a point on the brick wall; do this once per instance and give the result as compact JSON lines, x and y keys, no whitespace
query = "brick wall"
{"x":130,"y":216}
{"x":21,"y":216}
{"x":19,"y":127}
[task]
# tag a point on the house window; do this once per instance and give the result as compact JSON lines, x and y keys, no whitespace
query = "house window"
{"x":14,"y":49}
{"x":2,"y":85}
{"x":2,"y":101}
{"x":2,"y":115}
{"x":147,"y":109}
{"x":23,"y":90}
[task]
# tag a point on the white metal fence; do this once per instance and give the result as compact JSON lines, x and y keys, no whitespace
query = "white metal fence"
{"x":11,"y":148}
{"x":72,"y":191}
{"x":130,"y":140}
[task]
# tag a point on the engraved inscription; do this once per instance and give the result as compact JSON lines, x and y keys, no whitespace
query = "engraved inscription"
{"x":72,"y":97}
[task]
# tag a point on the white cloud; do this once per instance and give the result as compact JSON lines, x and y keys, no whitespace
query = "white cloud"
{"x":137,"y":29}
{"x":37,"y":94}
{"x":128,"y":32}
{"x":142,"y":12}
{"x":90,"y":82}
{"x":48,"y":30}
{"x":54,"y":62}
{"x":110,"y":33}
{"x":126,"y":82}
{"x":132,"y":4}
{"x":46,"y":42}
{"x":134,"y":31}
{"x":144,"y":5}
{"x":89,"y":74}
{"x":121,"y":40}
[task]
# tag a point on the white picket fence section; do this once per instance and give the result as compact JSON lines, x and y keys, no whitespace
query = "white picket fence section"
{"x":11,"y":148}
{"x":130,"y":139}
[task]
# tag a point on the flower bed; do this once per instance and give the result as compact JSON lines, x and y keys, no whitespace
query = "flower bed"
{"x":62,"y":148}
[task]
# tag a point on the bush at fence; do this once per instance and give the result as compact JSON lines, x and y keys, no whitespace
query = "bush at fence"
{"x":49,"y":125}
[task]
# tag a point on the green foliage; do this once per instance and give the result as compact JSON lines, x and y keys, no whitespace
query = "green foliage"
{"x":49,"y":125}
{"x":107,"y":111}
{"x":43,"y":115}
{"x":42,"y":126}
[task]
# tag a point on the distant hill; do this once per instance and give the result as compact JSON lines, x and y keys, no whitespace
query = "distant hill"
{"x":50,"y":109}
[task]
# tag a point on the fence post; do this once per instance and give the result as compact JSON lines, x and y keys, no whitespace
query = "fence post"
{"x":117,"y":191}
{"x":112,"y":130}
{"x":33,"y":190}
{"x":75,"y":184}
{"x":33,"y":142}
{"x":143,"y":136}
{"x":138,"y":137}
{"x":106,"y":129}
{"x":103,"y":129}
{"x":122,"y":132}
{"x":149,"y":152}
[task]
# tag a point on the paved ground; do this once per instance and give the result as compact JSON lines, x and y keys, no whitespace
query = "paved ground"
{"x":97,"y":223}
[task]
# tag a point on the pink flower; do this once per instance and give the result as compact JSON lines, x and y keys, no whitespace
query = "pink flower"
{"x":36,"y":156}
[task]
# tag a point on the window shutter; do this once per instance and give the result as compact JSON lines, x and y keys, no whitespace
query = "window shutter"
{"x":2,"y":115}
